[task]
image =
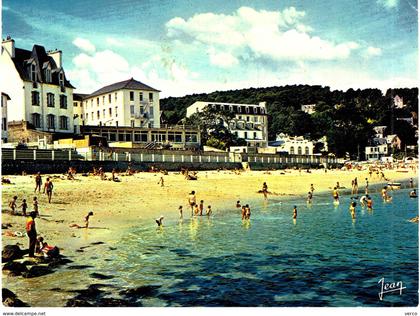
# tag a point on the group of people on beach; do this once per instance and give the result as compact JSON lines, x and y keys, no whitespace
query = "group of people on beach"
{"x":245,"y":210}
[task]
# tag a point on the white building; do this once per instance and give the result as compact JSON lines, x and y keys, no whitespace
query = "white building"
{"x":308,"y":108}
{"x":382,"y":146}
{"x":293,"y":145}
{"x":39,"y":91}
{"x":250,"y":121}
{"x":128,"y":103}
{"x":399,"y":102}
{"x":4,"y":99}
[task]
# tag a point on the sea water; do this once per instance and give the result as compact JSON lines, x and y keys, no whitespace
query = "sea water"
{"x":324,"y":258}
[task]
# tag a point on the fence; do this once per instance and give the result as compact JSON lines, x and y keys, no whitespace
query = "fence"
{"x":159,"y":156}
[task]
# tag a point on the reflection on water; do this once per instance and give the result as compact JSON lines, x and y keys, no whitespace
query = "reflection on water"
{"x":324,"y":258}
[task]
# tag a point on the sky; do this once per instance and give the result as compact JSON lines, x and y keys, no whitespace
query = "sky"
{"x":183,"y":46}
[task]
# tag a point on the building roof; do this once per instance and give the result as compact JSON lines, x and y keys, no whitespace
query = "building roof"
{"x":79,"y":96}
{"x":6,"y":95}
{"x":24,"y":58}
{"x":127,"y":84}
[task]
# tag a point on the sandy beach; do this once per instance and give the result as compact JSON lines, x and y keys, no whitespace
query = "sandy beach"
{"x":118,"y":205}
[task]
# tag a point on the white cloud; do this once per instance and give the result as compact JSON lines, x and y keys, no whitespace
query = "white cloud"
{"x":373,"y":51}
{"x":388,"y":4}
{"x":114,"y":42}
{"x":222,"y":59}
{"x":279,"y":35}
{"x":84,"y":45}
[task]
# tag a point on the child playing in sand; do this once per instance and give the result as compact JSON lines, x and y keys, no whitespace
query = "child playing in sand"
{"x":35,"y":205}
{"x":24,"y":207}
{"x":208,"y":213}
{"x":162,"y":182}
{"x":12,"y":204}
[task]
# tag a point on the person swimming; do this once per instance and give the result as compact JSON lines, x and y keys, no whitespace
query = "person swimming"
{"x":413,"y":194}
{"x":159,"y":221}
{"x":238,"y":204}
{"x":369,"y":203}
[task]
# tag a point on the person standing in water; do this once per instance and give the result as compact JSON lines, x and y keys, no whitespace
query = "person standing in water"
{"x":369,"y":203}
{"x":192,"y":201}
{"x":180,"y":211}
{"x":309,"y":200}
{"x":353,"y":210}
{"x":208,"y":213}
{"x":335,"y":195}
{"x":294,"y":212}
{"x":265,"y":190}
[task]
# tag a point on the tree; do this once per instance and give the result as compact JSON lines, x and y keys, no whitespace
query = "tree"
{"x":214,"y":128}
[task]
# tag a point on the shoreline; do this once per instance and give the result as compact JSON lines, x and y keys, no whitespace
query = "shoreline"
{"x":138,"y":200}
{"x":138,"y":197}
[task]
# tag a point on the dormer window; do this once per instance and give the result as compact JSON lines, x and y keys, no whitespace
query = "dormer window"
{"x":47,"y":75}
{"x":61,"y":79}
{"x":33,"y":72}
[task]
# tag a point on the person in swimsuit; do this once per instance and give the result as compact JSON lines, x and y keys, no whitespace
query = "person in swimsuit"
{"x":48,"y":187}
{"x":294,"y":212}
{"x":192,"y":201}
{"x":38,"y":182}
{"x":24,"y":207}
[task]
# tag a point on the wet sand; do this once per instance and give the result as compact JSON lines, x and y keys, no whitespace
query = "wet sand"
{"x":119,"y":205}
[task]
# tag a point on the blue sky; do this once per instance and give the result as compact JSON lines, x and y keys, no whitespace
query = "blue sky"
{"x":184,"y":46}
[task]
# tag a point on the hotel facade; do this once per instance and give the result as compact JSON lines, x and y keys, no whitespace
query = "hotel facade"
{"x":249,"y":123}
{"x":37,"y":86}
{"x":128,"y":103}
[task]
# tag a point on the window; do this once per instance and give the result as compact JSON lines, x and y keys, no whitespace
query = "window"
{"x":93,"y":116}
{"x":50,"y":100}
{"x":97,"y":101}
{"x":190,"y":137}
{"x":47,"y":75}
{"x":75,"y":104}
{"x":98,"y":115}
{"x":141,"y":110}
{"x":116,"y":111}
{"x":109,"y":98}
{"x":51,"y":121}
{"x":35,"y":98}
{"x":299,"y":150}
{"x":150,"y":97}
{"x":255,"y":118}
{"x":63,"y":102}
{"x":110,"y":111}
{"x":103,"y":99}
{"x":115,"y":96}
{"x":91,"y":102}
{"x":103,"y":113}
{"x":112,"y":137}
{"x":131,"y":95}
{"x":247,"y":118}
{"x":255,"y":135}
{"x":63,"y":122}
{"x":81,"y":116}
{"x":141,"y":96}
{"x":61,"y":79}
{"x":36,"y":120}
{"x":132,"y":123}
{"x":87,"y":116}
{"x":151,"y":111}
{"x":132,"y":109}
{"x":33,"y":72}
{"x":245,"y":134}
{"x":4,"y":124}
{"x":292,"y":150}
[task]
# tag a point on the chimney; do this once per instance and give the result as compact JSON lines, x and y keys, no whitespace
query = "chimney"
{"x":9,"y":45}
{"x":56,"y":55}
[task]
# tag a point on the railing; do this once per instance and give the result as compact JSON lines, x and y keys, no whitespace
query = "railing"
{"x":158,"y":156}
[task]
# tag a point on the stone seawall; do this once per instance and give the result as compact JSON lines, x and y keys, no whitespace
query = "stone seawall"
{"x":16,"y":167}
